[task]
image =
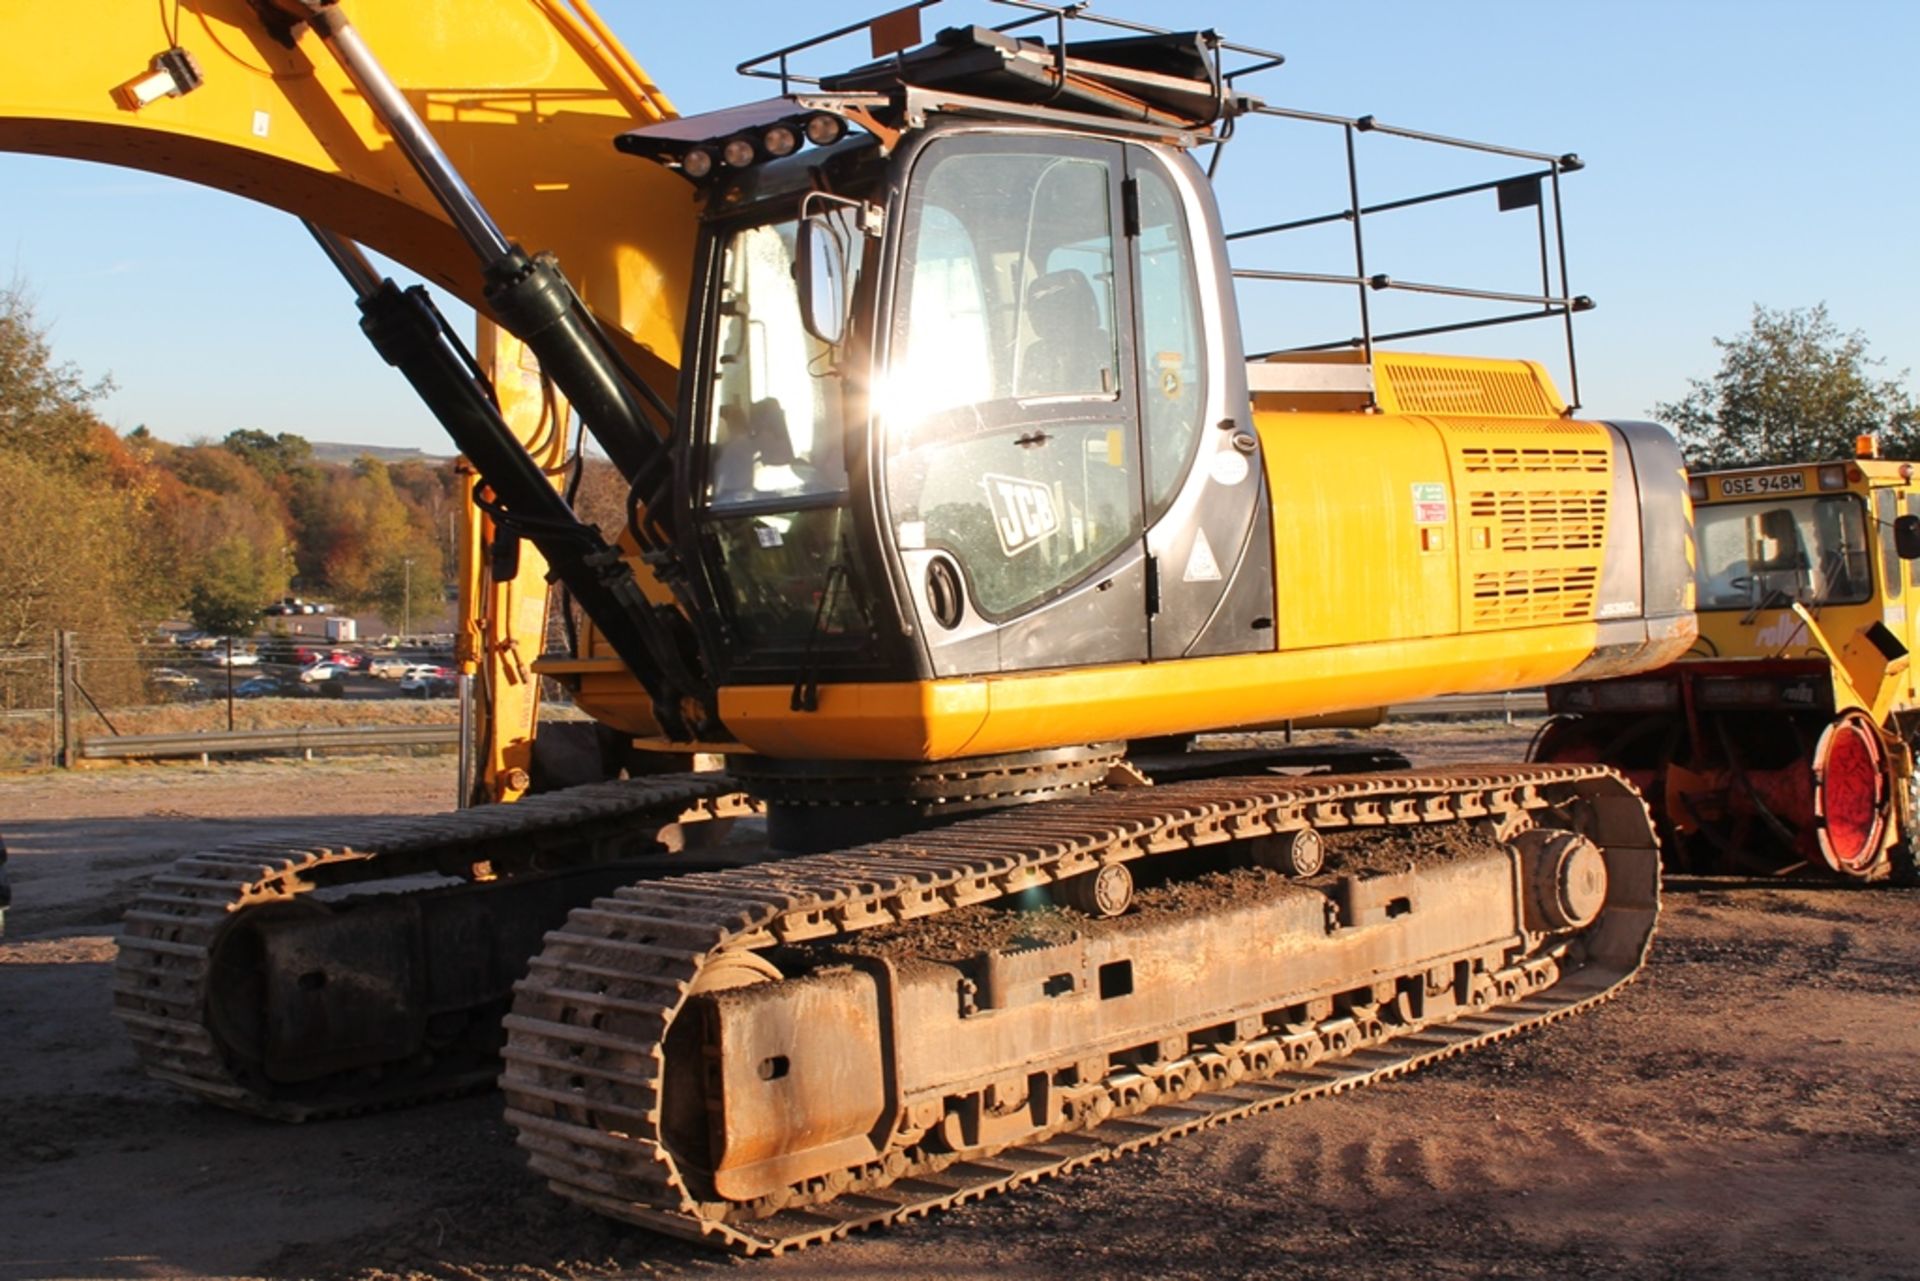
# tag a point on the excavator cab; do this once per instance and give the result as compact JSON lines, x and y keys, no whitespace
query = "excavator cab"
{"x":1778,"y":556}
{"x":947,"y":395}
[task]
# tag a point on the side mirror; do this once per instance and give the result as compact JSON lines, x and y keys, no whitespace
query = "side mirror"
{"x":820,"y":266}
{"x":1906,"y":537}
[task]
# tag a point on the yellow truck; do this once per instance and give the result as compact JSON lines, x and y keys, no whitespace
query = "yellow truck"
{"x":1783,"y":740}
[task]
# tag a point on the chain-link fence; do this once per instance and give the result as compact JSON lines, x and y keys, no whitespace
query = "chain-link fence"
{"x":80,"y":688}
{"x":29,"y":728}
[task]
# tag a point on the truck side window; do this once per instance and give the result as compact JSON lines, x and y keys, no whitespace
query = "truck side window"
{"x":1886,"y":509}
{"x":1172,"y":368}
{"x":1913,"y":566}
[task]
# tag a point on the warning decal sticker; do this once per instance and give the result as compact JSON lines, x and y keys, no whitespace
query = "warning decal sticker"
{"x":1201,"y":565}
{"x":1429,"y":503}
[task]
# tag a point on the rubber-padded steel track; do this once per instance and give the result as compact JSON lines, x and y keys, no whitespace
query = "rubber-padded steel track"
{"x":165,"y":972}
{"x":586,"y":1055}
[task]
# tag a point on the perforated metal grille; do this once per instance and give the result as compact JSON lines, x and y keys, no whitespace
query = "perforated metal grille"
{"x":1540,"y":594}
{"x":1541,"y":521}
{"x":1528,"y":461}
{"x":1480,"y":392}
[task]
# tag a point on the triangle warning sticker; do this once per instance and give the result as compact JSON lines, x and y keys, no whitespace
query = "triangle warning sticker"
{"x":1201,"y":566}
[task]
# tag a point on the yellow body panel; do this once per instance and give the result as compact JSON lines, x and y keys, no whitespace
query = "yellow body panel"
{"x":503,"y":623}
{"x":944,"y":719}
{"x":524,"y":95}
{"x":1414,"y":556}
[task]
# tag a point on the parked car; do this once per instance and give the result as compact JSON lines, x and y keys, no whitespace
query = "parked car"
{"x":281,"y":650}
{"x":172,"y":678}
{"x":294,"y":605}
{"x":389,"y":668}
{"x":272,"y":687}
{"x":239,"y":658}
{"x":325,"y":671}
{"x":348,"y":659}
{"x":421,"y":677}
{"x":435,"y":687}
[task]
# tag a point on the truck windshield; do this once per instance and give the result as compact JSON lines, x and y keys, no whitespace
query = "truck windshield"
{"x":1769,"y":554}
{"x":775,"y":486}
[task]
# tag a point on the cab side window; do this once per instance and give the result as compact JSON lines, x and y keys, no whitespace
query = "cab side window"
{"x":1172,"y":364}
{"x":1008,"y":441}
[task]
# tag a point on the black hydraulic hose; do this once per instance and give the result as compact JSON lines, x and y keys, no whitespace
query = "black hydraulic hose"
{"x":409,"y":332}
{"x":537,"y":305}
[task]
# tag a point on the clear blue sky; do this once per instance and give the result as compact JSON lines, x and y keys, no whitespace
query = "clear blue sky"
{"x":1738,"y":152}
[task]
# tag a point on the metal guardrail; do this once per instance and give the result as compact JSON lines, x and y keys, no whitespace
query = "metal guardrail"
{"x":1519,"y":702}
{"x":203,"y":744}
{"x":219,"y":743}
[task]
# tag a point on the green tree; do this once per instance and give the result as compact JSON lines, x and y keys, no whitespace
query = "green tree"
{"x":1793,"y":388}
{"x":270,"y":455}
{"x":230,"y":589}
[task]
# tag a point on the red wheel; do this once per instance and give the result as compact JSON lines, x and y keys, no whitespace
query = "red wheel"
{"x":1850,"y":794}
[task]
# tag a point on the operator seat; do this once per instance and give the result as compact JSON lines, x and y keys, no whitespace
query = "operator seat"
{"x":1781,"y":546}
{"x":1072,"y":352}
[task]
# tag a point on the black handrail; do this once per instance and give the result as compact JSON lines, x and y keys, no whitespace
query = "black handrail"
{"x":1534,"y":187}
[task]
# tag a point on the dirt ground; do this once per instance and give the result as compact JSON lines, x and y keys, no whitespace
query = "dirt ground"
{"x":1748,"y":1108}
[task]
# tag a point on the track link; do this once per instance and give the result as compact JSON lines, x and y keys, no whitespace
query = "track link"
{"x":587,"y":1055}
{"x":167,"y":967}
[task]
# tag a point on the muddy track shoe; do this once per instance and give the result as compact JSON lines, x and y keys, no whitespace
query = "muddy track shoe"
{"x":768,"y":1057}
{"x":369,"y":967}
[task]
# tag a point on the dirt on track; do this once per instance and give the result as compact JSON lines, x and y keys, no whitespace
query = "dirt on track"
{"x":1748,"y":1108}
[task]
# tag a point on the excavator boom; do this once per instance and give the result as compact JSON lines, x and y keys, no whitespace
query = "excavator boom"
{"x":524,"y":94}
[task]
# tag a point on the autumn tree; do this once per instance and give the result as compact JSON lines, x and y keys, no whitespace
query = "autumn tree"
{"x":67,"y":521}
{"x":44,"y":403}
{"x":1794,"y":387}
{"x":231,"y":585}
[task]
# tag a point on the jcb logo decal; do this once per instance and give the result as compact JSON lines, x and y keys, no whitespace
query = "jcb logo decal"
{"x":1023,"y":512}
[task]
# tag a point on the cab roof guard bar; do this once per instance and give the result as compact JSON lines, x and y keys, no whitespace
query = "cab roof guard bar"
{"x":893,"y":29}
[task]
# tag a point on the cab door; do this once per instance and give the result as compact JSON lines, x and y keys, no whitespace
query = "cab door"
{"x":1209,"y":533}
{"x":1008,"y":412}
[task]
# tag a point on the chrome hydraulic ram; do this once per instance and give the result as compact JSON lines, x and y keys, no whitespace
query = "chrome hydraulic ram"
{"x":527,"y":292}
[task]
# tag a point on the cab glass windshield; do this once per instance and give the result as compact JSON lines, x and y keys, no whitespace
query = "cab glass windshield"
{"x":776,"y":416}
{"x":774,"y":437}
{"x":1009,"y":444}
{"x":1767,"y":555}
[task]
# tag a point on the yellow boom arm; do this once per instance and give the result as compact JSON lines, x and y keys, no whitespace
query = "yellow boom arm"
{"x":525,"y":96}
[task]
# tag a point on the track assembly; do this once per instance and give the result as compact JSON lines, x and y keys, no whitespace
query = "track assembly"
{"x":772,"y":1056}
{"x":289,"y":980}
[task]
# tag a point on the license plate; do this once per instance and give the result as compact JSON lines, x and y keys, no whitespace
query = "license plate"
{"x":1788,"y":483}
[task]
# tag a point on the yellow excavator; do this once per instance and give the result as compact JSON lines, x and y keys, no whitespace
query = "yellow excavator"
{"x":957,"y":509}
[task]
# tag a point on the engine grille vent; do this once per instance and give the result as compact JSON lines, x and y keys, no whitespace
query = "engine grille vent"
{"x":1475,"y":459}
{"x":1541,"y":594}
{"x":1550,"y":521}
{"x":1479,"y":391}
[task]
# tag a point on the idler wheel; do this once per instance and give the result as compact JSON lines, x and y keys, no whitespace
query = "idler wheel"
{"x":1566,"y":878}
{"x":1298,"y":853}
{"x":1107,"y":891}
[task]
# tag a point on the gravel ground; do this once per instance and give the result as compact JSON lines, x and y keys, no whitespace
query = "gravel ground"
{"x":1748,"y":1108}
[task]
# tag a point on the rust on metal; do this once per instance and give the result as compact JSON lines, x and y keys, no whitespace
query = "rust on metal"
{"x":923,"y":1045}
